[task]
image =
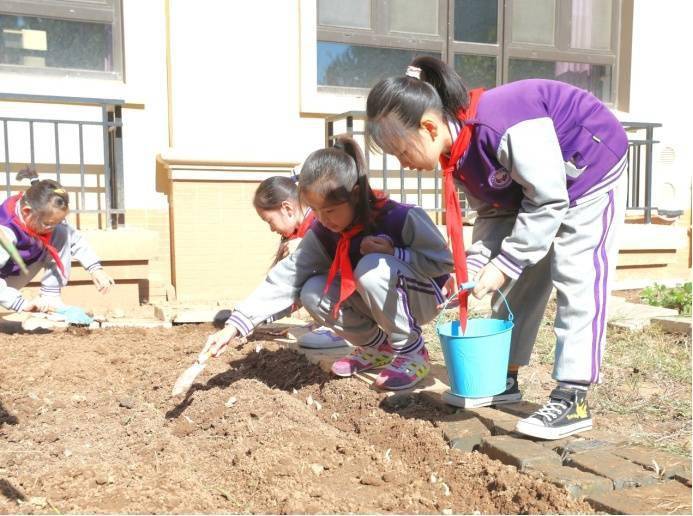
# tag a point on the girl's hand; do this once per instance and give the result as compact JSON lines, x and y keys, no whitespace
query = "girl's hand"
{"x":489,"y":279}
{"x":102,"y":281}
{"x":217,"y":342}
{"x":38,"y":304}
{"x":374,"y":244}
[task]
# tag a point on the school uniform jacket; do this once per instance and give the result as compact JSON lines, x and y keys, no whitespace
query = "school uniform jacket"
{"x":32,"y":251}
{"x":539,"y":147}
{"x":416,"y":239}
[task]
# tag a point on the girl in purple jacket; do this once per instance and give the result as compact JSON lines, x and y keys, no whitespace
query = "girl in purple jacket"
{"x":542,"y":163}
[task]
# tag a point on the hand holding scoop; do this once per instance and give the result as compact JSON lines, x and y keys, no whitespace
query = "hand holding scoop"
{"x":187,"y":377}
{"x":214,"y":346}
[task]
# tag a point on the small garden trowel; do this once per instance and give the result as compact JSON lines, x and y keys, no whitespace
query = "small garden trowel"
{"x":186,"y":379}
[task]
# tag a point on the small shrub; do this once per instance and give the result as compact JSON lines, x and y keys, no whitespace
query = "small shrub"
{"x":678,"y":297}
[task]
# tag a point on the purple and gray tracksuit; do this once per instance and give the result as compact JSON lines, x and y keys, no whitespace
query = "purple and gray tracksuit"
{"x":545,"y":173}
{"x":67,"y":241}
{"x":394,"y":295}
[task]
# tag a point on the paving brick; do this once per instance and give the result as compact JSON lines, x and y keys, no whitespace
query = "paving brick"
{"x":621,"y":472}
{"x":505,"y":426}
{"x":669,"y":497}
{"x":520,"y":453}
{"x":674,"y":324}
{"x":465,"y":433}
{"x":576,"y":482}
{"x":667,"y":464}
{"x":521,"y":409}
{"x":491,"y":416}
{"x":684,"y":477}
{"x":574,"y":446}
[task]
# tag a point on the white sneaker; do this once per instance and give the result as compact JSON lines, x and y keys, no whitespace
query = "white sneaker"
{"x":321,"y":338}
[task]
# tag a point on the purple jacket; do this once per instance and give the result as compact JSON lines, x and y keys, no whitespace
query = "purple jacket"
{"x":539,"y":147}
{"x":29,"y":248}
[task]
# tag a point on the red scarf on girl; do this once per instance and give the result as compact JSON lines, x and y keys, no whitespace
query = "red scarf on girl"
{"x":43,"y":239}
{"x":342,"y":263}
{"x":453,"y":213}
{"x":304,"y":226}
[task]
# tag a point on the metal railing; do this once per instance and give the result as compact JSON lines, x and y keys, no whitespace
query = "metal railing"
{"x":99,"y":188}
{"x":428,"y":185}
{"x":639,"y":181}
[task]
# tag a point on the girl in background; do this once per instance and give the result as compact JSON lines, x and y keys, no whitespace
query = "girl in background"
{"x":34,"y":221}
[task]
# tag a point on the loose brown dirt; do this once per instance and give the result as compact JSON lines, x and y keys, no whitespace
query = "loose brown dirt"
{"x":87,"y":425}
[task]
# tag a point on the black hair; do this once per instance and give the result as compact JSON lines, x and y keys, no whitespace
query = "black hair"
{"x":396,"y":105}
{"x":270,"y":195}
{"x":273,"y":191}
{"x":44,"y":195}
{"x":335,"y":172}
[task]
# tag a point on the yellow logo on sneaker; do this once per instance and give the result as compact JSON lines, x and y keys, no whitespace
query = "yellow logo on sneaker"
{"x":580,"y":411}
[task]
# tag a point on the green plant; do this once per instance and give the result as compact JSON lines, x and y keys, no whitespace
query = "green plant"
{"x":678,"y":297}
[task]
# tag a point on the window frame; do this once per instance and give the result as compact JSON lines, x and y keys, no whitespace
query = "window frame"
{"x":503,"y":50}
{"x":91,"y":11}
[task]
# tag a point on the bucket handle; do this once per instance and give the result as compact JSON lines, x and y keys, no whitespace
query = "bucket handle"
{"x":469,"y":286}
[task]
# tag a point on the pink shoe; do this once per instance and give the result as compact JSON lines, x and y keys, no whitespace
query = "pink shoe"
{"x":404,"y":371}
{"x":362,"y":359}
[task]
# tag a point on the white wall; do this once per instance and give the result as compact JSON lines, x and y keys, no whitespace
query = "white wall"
{"x":661,"y":79}
{"x":144,"y":130}
{"x":235,"y":87}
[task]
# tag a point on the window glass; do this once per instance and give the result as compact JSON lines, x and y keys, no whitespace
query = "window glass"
{"x":51,"y":43}
{"x":533,"y":21}
{"x":418,"y":16}
{"x":591,"y":24}
{"x":476,"y":71}
{"x":594,"y":78}
{"x":357,"y":66}
{"x":476,"y":21}
{"x":335,"y":12}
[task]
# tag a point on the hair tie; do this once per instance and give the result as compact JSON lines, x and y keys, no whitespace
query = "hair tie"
{"x":413,"y":71}
{"x":59,"y":191}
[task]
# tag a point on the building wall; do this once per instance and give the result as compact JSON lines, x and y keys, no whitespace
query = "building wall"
{"x":660,"y":92}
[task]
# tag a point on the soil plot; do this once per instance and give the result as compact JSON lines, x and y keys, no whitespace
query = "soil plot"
{"x":87,"y":425}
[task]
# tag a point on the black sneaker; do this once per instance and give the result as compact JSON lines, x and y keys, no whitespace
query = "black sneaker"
{"x":511,"y":394}
{"x":566,"y":413}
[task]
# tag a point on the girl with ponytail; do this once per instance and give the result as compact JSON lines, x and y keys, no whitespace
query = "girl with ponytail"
{"x":542,"y":164}
{"x":369,"y":268}
{"x":34,"y":223}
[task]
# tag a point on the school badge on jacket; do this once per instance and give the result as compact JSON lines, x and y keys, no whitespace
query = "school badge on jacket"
{"x":499,"y":179}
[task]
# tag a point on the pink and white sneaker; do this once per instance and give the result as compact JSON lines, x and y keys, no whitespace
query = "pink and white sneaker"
{"x":404,"y":371}
{"x":362,"y":359}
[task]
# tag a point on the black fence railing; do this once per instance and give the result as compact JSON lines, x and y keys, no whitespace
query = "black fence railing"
{"x":82,"y":149}
{"x":425,"y":188}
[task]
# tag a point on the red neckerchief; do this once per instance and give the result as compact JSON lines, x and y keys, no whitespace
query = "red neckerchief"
{"x":342,"y":262}
{"x":304,"y":227}
{"x":44,"y":239}
{"x":453,"y":213}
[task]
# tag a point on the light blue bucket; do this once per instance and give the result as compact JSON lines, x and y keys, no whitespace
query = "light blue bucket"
{"x":477,"y":361}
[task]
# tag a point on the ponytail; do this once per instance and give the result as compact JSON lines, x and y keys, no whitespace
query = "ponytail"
{"x":333,"y":173}
{"x":43,"y":194}
{"x":396,"y":105}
